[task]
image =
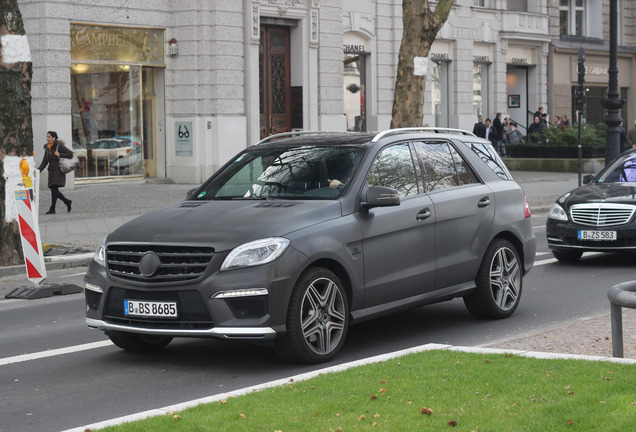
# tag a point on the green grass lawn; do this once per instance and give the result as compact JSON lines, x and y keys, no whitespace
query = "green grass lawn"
{"x":429,"y":391}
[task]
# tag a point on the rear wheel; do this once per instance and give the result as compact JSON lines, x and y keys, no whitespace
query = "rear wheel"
{"x":138,"y":342}
{"x":572,"y":256}
{"x":498,"y":282}
{"x":317,"y":318}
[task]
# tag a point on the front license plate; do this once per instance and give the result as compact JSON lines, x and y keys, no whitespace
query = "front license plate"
{"x":150,"y":309}
{"x":597,"y":235}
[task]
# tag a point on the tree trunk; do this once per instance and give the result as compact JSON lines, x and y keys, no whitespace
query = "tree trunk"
{"x":420,"y":27}
{"x":16,"y":134}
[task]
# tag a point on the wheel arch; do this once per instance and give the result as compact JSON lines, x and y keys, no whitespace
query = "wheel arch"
{"x":516,"y":242}
{"x":339,"y":270}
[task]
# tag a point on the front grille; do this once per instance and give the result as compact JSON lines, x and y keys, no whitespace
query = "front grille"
{"x":177,"y":263}
{"x":602,"y":214}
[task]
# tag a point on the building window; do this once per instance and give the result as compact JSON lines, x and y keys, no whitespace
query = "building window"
{"x":480,"y":89}
{"x":571,"y":17}
{"x":479,"y":3}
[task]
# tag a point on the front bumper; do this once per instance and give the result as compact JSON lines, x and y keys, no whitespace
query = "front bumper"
{"x":258,"y":313}
{"x":563,"y":236}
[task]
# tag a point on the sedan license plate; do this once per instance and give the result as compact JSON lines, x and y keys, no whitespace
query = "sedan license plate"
{"x":150,"y":309}
{"x":597,"y":235}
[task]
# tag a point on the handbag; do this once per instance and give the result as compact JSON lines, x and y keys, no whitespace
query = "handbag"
{"x":68,"y":165}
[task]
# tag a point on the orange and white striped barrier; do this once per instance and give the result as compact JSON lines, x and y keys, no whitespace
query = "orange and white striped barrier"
{"x":30,"y":236}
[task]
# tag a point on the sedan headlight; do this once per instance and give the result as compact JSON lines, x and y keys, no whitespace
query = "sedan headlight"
{"x":255,"y":253}
{"x":557,"y":212}
{"x":100,"y":253}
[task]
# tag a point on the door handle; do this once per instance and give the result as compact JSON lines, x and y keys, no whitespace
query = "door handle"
{"x":484,"y":202}
{"x":424,"y":214}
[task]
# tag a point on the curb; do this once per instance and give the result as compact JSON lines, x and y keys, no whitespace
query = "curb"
{"x":52,"y":263}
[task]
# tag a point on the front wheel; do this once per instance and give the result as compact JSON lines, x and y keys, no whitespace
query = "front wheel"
{"x":498,"y":282}
{"x":138,"y":342}
{"x":317,"y":318}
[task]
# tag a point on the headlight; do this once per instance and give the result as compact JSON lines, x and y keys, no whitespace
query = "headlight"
{"x":255,"y":253}
{"x":557,"y":212}
{"x":100,"y":253}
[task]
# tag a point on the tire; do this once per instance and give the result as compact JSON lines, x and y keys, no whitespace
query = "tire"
{"x":499,"y":282}
{"x":138,"y":342}
{"x":317,"y":318}
{"x":562,"y":256}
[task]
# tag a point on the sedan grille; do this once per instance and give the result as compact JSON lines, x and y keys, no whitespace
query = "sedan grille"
{"x":155,"y":263}
{"x":602,"y":214}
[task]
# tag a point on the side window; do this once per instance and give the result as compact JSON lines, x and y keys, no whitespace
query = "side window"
{"x":393,"y":167}
{"x":443,"y":166}
{"x":488,"y":154}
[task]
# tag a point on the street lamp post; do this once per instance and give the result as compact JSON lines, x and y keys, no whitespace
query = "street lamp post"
{"x":613,"y":103}
{"x":580,"y":105}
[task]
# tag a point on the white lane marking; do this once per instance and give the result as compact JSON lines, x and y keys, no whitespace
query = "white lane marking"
{"x":54,"y":352}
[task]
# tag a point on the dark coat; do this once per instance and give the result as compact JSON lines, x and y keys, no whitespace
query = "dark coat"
{"x":480,"y":130}
{"x":56,"y":176}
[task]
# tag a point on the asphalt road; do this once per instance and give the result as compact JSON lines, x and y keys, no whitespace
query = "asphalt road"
{"x":47,"y":390}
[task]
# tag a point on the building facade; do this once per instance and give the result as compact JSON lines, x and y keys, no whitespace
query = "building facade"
{"x":575,"y":24}
{"x":171,"y":89}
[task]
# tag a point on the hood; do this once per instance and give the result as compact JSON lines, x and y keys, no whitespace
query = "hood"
{"x":224,"y":225}
{"x":624,"y":193}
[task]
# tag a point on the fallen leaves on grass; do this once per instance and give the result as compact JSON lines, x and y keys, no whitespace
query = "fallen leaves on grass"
{"x":426,"y":411}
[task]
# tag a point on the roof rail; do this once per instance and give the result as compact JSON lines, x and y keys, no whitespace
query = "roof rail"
{"x":420,"y":129}
{"x":295,"y":133}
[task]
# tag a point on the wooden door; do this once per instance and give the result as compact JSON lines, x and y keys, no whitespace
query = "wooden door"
{"x":274,"y":81}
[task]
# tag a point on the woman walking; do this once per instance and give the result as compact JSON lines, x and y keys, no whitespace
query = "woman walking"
{"x":54,"y":149}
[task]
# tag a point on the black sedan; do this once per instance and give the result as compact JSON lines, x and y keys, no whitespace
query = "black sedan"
{"x":597,"y":216}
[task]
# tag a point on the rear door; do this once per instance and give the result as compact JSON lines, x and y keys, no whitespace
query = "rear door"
{"x":464,"y":209}
{"x":398,"y":242}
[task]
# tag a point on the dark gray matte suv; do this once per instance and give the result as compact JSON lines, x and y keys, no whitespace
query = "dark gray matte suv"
{"x":303,"y":234}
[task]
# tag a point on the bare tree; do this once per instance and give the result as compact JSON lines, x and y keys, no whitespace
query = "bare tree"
{"x":420,"y":27}
{"x":16,"y":134}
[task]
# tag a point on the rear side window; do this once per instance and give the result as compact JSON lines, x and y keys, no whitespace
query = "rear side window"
{"x":393,"y":167}
{"x":490,"y":157}
{"x":443,"y":166}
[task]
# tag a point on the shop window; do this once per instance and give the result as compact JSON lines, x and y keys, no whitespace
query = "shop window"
{"x":107,"y":119}
{"x":440,"y":92}
{"x":355,"y":92}
{"x":480,"y":89}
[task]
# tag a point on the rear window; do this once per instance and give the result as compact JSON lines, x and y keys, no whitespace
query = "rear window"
{"x":489,"y":155}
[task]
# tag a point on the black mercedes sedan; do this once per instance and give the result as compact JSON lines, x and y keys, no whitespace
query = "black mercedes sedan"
{"x":599,"y":215}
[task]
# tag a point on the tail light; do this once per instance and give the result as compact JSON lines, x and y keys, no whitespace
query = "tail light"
{"x":526,"y":208}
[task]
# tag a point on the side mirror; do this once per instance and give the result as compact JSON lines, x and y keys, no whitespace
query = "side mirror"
{"x":381,"y":196}
{"x":190,"y":192}
{"x":587,"y":178}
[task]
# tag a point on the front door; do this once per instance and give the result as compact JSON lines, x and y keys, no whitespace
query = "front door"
{"x":275,"y":82}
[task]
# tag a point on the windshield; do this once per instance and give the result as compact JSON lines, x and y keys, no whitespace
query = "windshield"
{"x":622,"y":170}
{"x":309,"y":172}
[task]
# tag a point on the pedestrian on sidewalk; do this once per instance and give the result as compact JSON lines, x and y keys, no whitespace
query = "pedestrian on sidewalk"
{"x":631,"y":136}
{"x":54,"y":149}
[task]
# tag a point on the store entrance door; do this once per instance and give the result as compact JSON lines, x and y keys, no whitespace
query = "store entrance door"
{"x":275,"y":81}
